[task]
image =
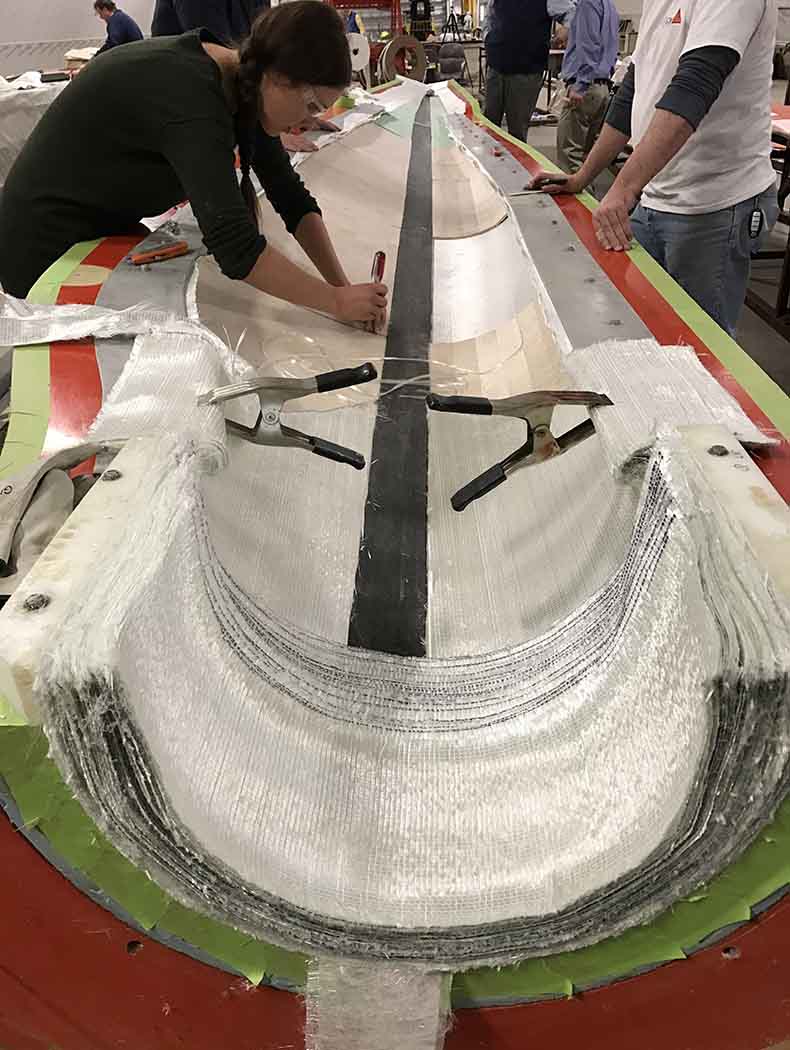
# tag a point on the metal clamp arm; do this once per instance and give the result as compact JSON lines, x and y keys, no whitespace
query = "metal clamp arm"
{"x":535,"y":409}
{"x":273,"y":392}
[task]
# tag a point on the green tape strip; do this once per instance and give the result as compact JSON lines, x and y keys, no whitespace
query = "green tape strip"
{"x":74,"y":837}
{"x":9,"y":716}
{"x":633,"y":951}
{"x":254,"y":959}
{"x":530,"y":980}
{"x":401,"y":120}
{"x":765,"y":393}
{"x":45,"y":291}
{"x":122,"y":882}
{"x":39,"y":792}
{"x":27,"y":428}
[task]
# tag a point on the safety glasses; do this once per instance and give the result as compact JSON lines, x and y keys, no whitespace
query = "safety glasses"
{"x":314,"y":106}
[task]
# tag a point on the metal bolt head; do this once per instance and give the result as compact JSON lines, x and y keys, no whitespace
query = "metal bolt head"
{"x":718,"y":450}
{"x":35,"y":602}
{"x":111,"y":475}
{"x":270,"y":418}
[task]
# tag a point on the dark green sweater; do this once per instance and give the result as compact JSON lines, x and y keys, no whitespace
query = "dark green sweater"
{"x":142,"y":128}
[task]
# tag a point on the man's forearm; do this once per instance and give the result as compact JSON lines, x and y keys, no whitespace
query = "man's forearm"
{"x":313,"y":236}
{"x":606,"y":150}
{"x":276,"y":274}
{"x":665,"y":137}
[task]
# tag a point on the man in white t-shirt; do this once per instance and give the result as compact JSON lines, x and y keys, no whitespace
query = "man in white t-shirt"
{"x":696,"y":104}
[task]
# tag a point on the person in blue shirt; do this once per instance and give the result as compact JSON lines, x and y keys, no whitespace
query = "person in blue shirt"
{"x":590,"y":59}
{"x":121,"y":28}
{"x":517,"y":52}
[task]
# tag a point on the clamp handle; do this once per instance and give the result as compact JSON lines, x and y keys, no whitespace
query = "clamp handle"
{"x":329,"y":450}
{"x":470,"y":406}
{"x":343,"y":377}
{"x":481,"y":486}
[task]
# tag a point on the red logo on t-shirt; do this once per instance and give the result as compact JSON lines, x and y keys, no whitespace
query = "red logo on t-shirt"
{"x":678,"y":19}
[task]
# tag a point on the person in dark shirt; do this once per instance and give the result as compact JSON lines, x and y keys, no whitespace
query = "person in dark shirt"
{"x":517,"y":52}
{"x":158,"y":122}
{"x":121,"y":28}
{"x":229,"y":20}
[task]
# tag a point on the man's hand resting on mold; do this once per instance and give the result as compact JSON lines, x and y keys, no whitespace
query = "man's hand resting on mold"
{"x":556,"y":183}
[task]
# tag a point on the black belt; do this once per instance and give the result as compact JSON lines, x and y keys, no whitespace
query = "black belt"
{"x":598,"y":80}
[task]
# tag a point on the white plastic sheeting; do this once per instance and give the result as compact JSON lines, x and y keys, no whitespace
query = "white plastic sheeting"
{"x":20,"y":111}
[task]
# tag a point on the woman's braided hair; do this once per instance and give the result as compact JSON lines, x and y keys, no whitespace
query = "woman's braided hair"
{"x":303,"y":40}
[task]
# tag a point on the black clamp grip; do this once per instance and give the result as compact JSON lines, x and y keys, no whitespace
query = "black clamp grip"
{"x":481,"y":485}
{"x":470,"y":406}
{"x":345,"y":377}
{"x":329,"y":450}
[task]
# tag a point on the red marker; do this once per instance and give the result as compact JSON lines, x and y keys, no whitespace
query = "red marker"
{"x":376,"y":275}
{"x":377,"y":270}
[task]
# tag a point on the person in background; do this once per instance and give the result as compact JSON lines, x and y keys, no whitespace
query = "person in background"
{"x":157,"y":123}
{"x":227,"y":20}
{"x":121,"y":28}
{"x":696,"y":103}
{"x":590,"y":58}
{"x":517,"y":51}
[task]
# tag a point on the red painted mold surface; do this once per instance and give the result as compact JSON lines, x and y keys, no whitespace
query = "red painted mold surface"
{"x":69,"y":981}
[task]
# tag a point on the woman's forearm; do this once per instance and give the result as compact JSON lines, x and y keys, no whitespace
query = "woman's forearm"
{"x":276,"y":274}
{"x":313,"y":236}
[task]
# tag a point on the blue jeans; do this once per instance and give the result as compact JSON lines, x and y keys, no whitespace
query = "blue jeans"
{"x":708,"y":255}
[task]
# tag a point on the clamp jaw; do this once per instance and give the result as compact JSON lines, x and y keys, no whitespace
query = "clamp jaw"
{"x":536,"y":410}
{"x":273,"y":392}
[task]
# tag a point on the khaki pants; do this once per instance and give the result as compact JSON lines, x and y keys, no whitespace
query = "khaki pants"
{"x":580,"y":126}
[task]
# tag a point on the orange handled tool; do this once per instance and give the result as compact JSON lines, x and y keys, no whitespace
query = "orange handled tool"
{"x":170,"y":251}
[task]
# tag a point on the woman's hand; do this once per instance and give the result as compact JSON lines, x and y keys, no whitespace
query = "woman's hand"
{"x":361,"y":302}
{"x":555,"y":184}
{"x":295,"y":142}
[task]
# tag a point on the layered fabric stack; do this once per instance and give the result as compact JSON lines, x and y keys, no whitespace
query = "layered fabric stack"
{"x":591,"y":716}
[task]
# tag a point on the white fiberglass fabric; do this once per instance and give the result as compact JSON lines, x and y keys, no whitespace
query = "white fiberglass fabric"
{"x":552,"y":739}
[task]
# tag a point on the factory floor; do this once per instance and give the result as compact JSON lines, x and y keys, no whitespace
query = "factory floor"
{"x":767,"y":347}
